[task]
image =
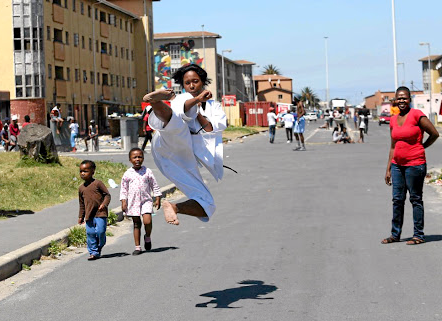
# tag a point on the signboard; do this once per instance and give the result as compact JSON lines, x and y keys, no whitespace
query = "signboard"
{"x":229,"y":100}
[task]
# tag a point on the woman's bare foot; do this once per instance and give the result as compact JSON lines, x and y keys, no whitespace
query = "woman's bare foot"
{"x":159,"y":95}
{"x":170,"y":213}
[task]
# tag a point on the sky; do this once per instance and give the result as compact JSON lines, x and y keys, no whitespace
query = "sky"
{"x":290,"y":35}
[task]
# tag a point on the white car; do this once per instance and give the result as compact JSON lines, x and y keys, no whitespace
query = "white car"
{"x":311,"y":116}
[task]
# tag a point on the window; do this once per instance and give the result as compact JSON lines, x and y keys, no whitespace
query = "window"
{"x":132,"y":54}
{"x":98,"y":78}
{"x":117,"y":80}
{"x":92,"y":77}
{"x":17,"y":39}
{"x":121,"y":24}
{"x":58,"y":35}
{"x":19,"y":92}
{"x":81,"y":7}
{"x":122,"y":53}
{"x":109,"y":18}
{"x":122,"y":81}
{"x":131,"y":27}
{"x":36,"y":80}
{"x":110,"y":49}
{"x":74,"y":5}
{"x":128,"y":82}
{"x":49,"y":71}
{"x":104,"y":47}
{"x":127,"y":54}
{"x":96,"y":45}
{"x":112,"y":80}
{"x":279,"y":96}
{"x":90,"y":44}
{"x":82,"y":42}
{"x":68,"y":74}
{"x":57,"y":2}
{"x":18,"y":80}
{"x":67,"y":38}
{"x":89,"y":11}
{"x":134,"y":83}
{"x":48,"y":33}
{"x":76,"y":39}
{"x":125,"y":24}
{"x":77,"y":75}
{"x":102,"y":16}
{"x":105,"y":80}
{"x":84,"y":76}
{"x":66,"y":4}
{"x":59,"y":73}
{"x":116,"y":51}
{"x":175,"y":53}
{"x":96,"y":14}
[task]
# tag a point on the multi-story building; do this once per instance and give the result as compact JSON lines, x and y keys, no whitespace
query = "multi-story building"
{"x":274,"y":88}
{"x":375,"y":101}
{"x":435,"y":72}
{"x":175,"y":49}
{"x":92,"y":57}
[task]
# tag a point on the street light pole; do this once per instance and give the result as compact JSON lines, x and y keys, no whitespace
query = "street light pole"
{"x":394,"y":45}
{"x":403,"y":72}
{"x":429,"y":79}
{"x":222,"y":67}
{"x":327,"y":93}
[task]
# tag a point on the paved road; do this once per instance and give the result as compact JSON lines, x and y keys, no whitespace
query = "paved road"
{"x":296,"y":237}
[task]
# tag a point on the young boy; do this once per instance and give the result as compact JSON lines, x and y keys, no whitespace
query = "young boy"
{"x":73,"y":126}
{"x":94,"y":199}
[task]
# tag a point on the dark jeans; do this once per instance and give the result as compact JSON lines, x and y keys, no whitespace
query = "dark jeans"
{"x":409,"y":178}
{"x":289,"y":133}
{"x":147,"y":138}
{"x":272,"y":129}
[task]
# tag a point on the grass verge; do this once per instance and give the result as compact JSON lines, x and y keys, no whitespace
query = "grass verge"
{"x":34,"y":186}
{"x":233,"y":132}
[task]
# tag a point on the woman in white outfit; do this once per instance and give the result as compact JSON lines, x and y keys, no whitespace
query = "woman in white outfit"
{"x":188,"y":135}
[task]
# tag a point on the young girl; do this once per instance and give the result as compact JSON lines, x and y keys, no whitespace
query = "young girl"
{"x":73,"y":126}
{"x":137,"y":186}
{"x":361,"y":129}
{"x":188,"y":134}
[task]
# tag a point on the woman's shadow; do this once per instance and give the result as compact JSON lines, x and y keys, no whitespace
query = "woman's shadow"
{"x":223,"y":298}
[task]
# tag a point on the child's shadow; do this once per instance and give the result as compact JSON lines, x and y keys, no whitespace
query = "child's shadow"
{"x":163,"y":249}
{"x":118,"y":254}
{"x":223,"y":298}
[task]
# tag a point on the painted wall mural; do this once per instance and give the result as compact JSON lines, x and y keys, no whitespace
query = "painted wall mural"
{"x":164,"y":62}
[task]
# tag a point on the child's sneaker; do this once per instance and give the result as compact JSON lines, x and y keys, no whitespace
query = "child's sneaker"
{"x":147,"y":243}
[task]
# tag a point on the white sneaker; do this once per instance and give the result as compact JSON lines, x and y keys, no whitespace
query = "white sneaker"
{"x":302,"y":148}
{"x":288,"y":142}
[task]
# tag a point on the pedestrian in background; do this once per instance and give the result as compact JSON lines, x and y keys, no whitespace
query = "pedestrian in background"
{"x":94,"y":199}
{"x":407,"y":166}
{"x":289,"y":120}
{"x":27,"y":121}
{"x":14,"y":131}
{"x":73,"y":126}
{"x":146,"y":128}
{"x":272,"y":118}
{"x":4,"y":135}
{"x":138,"y":188}
{"x":355,"y":119}
{"x":361,"y":128}
{"x":92,"y":136}
{"x":300,"y":127}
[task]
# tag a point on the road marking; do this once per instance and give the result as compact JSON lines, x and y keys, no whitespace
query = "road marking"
{"x":312,"y":134}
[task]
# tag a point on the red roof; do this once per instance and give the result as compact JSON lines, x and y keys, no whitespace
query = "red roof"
{"x":272,"y":77}
{"x":188,"y":34}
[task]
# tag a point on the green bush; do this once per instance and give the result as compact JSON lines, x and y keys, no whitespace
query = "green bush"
{"x":77,"y":236}
{"x":112,"y":218}
{"x":56,"y":247}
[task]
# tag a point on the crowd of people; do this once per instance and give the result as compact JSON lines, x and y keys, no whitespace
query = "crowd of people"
{"x":10,"y":132}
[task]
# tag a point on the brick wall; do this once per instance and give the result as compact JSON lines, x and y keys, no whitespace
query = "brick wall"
{"x":35,"y":108}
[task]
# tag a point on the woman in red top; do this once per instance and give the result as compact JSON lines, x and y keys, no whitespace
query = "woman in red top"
{"x":406,"y":167}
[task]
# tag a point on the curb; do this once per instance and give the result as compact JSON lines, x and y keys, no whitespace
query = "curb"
{"x":11,"y":263}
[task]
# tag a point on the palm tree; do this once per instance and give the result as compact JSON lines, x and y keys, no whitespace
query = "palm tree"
{"x":309,"y":97}
{"x":271,"y":70}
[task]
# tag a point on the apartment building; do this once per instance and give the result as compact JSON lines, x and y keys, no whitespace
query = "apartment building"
{"x":91,"y":57}
{"x":175,"y":49}
{"x":435,"y":75}
{"x":274,"y":88}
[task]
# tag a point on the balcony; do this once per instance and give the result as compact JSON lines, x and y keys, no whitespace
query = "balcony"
{"x":57,"y":13}
{"x":107,"y":92}
{"x":59,"y":52}
{"x":104,"y":29}
{"x":61,"y":87}
{"x":105,"y":61}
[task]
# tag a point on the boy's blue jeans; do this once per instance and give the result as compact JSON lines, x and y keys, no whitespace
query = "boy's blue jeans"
{"x":96,"y":235}
{"x":409,"y":178}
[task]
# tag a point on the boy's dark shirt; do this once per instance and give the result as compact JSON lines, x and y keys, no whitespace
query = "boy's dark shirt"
{"x":91,"y":196}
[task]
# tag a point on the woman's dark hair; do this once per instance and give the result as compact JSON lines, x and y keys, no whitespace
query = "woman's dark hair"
{"x":403,"y":88}
{"x":134,"y":150}
{"x":27,"y":118}
{"x":178,"y":76}
{"x":90,"y":163}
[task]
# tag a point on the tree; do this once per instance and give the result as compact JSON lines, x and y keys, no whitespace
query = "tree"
{"x":309,"y":97}
{"x":271,"y":70}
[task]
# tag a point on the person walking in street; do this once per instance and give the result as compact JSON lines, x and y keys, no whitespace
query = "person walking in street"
{"x":355,"y":119}
{"x":73,"y":126}
{"x":300,"y":127}
{"x":138,"y":188}
{"x":188,"y":135}
{"x":361,"y":128}
{"x":146,"y":128}
{"x":92,"y":136}
{"x":406,"y":167}
{"x":94,"y":199}
{"x":289,"y":120}
{"x":272,"y":119}
{"x":365,"y":112}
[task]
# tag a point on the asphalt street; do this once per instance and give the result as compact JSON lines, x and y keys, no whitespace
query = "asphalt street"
{"x":296,"y":236}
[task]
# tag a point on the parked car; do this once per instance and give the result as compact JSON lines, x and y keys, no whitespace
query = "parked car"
{"x":311,"y":116}
{"x":384,"y":118}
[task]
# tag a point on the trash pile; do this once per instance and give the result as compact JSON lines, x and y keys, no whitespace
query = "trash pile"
{"x":433,"y":178}
{"x":107,"y":140}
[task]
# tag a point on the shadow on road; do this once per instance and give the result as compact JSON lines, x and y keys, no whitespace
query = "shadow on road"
{"x":162,"y":249}
{"x":223,"y":298}
{"x":14,"y":213}
{"x":433,"y":238}
{"x":118,"y":254}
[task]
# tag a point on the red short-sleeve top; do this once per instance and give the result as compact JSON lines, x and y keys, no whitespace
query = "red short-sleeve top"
{"x":408,"y":150}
